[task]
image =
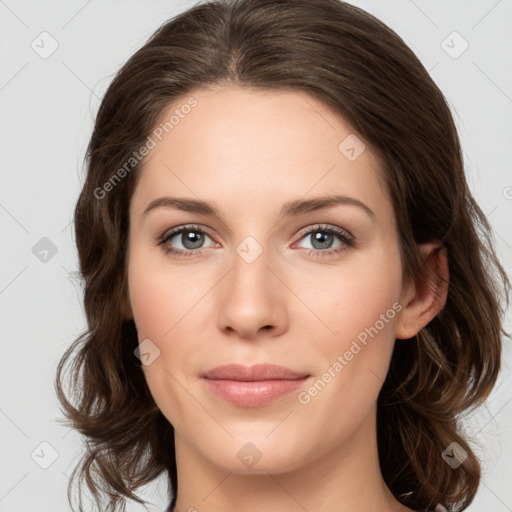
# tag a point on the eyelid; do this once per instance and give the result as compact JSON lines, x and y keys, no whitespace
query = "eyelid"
{"x":185,"y":227}
{"x":328,"y":227}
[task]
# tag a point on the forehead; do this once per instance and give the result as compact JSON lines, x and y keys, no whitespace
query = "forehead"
{"x":256,"y":145}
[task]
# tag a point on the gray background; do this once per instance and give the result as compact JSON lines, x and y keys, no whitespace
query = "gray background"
{"x":47,"y":107}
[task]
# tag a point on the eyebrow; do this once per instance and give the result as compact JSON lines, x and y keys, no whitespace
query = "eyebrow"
{"x":290,"y":208}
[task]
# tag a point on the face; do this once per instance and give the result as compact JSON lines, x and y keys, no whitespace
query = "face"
{"x":272,"y":278}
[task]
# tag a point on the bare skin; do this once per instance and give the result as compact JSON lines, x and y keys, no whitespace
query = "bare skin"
{"x":248,"y":152}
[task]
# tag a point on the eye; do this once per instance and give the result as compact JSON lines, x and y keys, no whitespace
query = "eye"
{"x":191,"y":238}
{"x":322,"y":238}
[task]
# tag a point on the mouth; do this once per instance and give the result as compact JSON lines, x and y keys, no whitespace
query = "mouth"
{"x":252,"y":386}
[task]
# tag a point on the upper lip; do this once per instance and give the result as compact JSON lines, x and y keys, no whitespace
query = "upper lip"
{"x":256,"y":372}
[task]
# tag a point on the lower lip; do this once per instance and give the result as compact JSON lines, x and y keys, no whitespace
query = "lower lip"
{"x":252,"y":394}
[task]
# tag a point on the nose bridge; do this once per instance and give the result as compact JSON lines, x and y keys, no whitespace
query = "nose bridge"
{"x":250,"y":273}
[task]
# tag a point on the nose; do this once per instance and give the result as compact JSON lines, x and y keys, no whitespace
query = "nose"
{"x":251,"y":299}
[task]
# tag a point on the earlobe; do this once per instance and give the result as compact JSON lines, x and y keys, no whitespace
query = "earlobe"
{"x":426,"y":296}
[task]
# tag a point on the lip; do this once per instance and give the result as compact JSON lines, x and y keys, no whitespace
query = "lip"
{"x":252,"y":386}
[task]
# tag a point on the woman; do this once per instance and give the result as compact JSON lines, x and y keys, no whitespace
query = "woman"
{"x":258,"y":372}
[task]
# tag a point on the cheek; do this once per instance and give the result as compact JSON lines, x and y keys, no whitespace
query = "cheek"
{"x":168,"y":310}
{"x":160,"y":315}
{"x":359,"y":296}
{"x":352,"y":358}
{"x":161,"y":297}
{"x":151,"y":303}
{"x":359,"y":306}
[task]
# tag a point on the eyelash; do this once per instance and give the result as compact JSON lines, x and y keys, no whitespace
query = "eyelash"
{"x":347,"y":239}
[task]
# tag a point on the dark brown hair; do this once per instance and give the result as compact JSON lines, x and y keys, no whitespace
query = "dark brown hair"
{"x":361,"y":69}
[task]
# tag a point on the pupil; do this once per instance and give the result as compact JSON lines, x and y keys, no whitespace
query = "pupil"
{"x":327,"y":238}
{"x":189,"y":241}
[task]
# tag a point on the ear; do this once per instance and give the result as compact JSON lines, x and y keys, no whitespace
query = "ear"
{"x":424,"y":298}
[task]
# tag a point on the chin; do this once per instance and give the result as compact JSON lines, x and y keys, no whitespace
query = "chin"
{"x":246,"y":454}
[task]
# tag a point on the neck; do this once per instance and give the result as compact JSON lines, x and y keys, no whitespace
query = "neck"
{"x":345,"y":479}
